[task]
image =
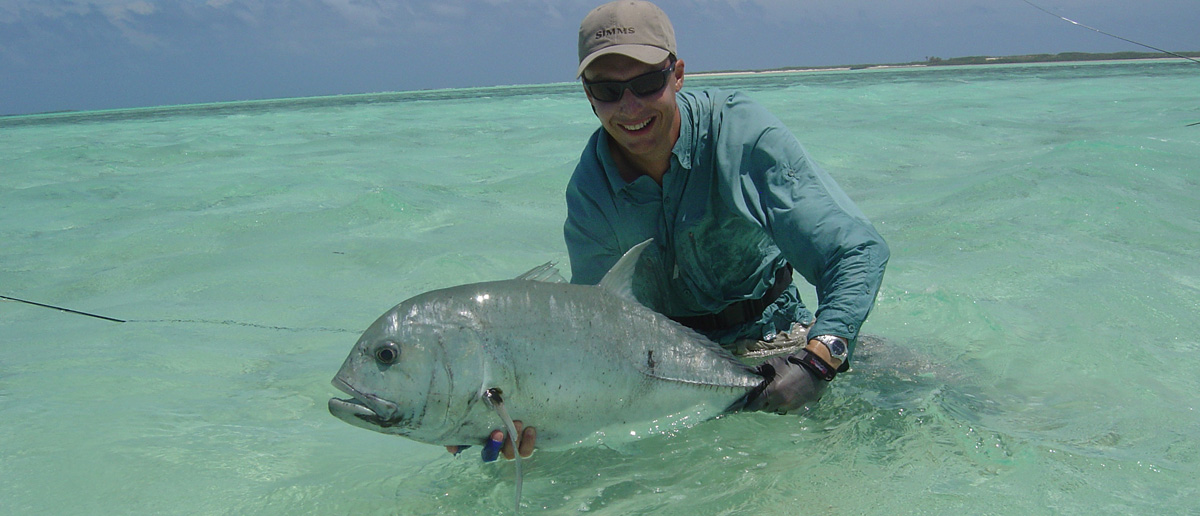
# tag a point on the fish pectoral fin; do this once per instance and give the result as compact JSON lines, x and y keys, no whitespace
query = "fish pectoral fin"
{"x":496,"y":401}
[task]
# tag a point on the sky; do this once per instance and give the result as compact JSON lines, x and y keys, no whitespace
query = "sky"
{"x":58,"y":55}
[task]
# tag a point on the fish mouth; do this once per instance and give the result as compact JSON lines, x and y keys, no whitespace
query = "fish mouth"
{"x":364,"y":410}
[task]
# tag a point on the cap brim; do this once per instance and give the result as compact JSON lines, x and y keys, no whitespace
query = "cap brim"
{"x":644,"y":53}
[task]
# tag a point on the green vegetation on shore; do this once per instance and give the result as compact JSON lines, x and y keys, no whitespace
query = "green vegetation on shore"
{"x":1049,"y":58}
{"x":985,"y":60}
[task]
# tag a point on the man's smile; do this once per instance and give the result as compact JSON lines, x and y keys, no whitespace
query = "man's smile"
{"x":638,"y":126}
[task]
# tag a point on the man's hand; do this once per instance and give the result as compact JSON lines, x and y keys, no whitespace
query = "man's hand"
{"x":528,"y":439}
{"x":789,"y":386}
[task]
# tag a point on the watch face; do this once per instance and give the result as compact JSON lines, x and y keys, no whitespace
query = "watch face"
{"x":839,"y":349}
{"x":836,"y":347}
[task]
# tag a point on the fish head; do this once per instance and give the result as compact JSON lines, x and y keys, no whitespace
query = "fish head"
{"x":400,"y":374}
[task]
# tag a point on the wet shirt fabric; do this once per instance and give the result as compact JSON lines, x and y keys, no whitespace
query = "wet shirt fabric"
{"x":741,"y":198}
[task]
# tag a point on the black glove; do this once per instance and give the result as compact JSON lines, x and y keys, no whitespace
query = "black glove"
{"x":788,"y":385}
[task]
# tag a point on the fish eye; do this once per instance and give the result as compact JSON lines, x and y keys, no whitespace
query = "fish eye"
{"x":387,"y":353}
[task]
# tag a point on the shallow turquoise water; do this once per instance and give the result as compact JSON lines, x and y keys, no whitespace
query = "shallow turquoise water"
{"x":1039,"y":314}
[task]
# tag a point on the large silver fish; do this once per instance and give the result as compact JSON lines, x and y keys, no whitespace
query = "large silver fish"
{"x":578,"y":362}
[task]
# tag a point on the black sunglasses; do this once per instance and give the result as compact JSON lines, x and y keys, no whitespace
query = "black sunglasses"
{"x":643,"y":85}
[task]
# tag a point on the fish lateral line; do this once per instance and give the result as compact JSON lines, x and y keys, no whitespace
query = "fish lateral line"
{"x":697,"y":383}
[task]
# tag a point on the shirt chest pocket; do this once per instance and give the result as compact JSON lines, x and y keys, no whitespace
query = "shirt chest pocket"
{"x":720,"y":261}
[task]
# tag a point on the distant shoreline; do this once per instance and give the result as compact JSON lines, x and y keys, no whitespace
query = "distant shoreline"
{"x":929,"y":62}
{"x":1065,"y":57}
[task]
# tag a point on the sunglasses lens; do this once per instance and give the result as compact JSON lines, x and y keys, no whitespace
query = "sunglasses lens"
{"x":648,"y":84}
{"x":606,"y":91}
{"x":642,"y":85}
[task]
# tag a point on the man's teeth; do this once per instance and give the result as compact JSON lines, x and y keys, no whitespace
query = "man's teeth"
{"x":636,"y":127}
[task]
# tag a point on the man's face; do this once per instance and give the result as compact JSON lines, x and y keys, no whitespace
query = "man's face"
{"x":644,"y":127}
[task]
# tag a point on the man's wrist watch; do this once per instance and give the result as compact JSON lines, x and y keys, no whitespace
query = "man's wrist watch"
{"x":837,"y":346}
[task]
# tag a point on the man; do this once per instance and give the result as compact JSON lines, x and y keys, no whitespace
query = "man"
{"x":733,"y":204}
{"x":731,"y":200}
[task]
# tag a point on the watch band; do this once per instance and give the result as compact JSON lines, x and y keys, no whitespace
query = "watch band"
{"x":813,"y":363}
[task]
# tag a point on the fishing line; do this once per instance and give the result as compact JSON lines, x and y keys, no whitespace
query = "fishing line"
{"x":61,"y":309}
{"x":243,"y":324}
{"x":225,"y":322}
{"x":1038,"y":7}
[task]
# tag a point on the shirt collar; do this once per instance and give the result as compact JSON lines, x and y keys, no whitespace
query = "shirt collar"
{"x":684,"y":146}
{"x":604,"y":152}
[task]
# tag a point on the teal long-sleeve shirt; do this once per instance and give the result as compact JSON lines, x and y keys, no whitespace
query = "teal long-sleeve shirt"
{"x":740,"y":198}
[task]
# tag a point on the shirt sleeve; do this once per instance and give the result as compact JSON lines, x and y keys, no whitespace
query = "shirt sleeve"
{"x":592,"y":244}
{"x":814,"y":223}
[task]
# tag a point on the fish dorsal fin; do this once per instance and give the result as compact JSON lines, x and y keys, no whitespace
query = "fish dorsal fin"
{"x":619,"y":279}
{"x":547,"y":272}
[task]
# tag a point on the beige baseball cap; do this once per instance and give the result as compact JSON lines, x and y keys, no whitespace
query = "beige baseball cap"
{"x":630,"y":27}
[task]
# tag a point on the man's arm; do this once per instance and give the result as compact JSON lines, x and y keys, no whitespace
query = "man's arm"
{"x":822,"y":234}
{"x":592,"y":245}
{"x":820,"y":231}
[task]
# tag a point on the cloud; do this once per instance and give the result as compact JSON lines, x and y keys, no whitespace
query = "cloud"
{"x":449,"y":10}
{"x":124,"y":15}
{"x":20,"y":10}
{"x":374,"y":15}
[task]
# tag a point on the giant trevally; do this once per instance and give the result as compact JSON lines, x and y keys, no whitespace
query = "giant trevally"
{"x":579,"y":362}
